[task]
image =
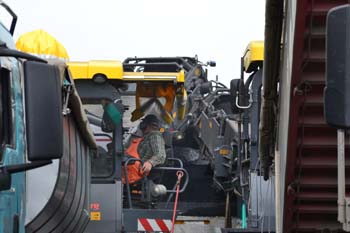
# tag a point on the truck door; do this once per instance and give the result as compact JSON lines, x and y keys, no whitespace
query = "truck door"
{"x":103,"y":188}
{"x":12,"y":147}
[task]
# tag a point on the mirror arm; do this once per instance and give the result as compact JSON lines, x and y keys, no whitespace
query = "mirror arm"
{"x":6,"y":171}
{"x":25,"y":166}
{"x":6,"y":52}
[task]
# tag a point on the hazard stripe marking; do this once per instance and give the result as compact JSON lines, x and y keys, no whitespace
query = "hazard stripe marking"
{"x":153,"y":224}
{"x":162,"y":225}
{"x":146,"y":226}
{"x":156,"y":225}
{"x":168,"y":223}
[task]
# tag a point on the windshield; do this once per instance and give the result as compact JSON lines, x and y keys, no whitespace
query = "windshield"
{"x":139,"y":100}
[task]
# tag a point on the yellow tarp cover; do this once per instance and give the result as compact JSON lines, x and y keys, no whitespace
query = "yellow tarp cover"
{"x":253,"y":53}
{"x":42,"y":44}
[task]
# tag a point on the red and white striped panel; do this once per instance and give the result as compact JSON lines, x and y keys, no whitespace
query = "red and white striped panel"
{"x":155,"y":225}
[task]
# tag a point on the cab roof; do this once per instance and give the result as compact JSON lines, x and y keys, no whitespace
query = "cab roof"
{"x":126,"y":71}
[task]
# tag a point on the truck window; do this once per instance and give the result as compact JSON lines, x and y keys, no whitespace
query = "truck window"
{"x":5,"y":110}
{"x":102,"y":159}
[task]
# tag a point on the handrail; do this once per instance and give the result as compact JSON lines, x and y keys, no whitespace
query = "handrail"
{"x":159,"y":169}
{"x":175,"y":169}
{"x":168,"y":64}
{"x":178,"y":160}
{"x":182,"y":61}
{"x":14,"y":17}
{"x":127,"y":178}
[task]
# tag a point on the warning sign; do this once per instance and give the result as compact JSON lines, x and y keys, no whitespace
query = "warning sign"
{"x":95,"y":216}
{"x":95,"y":206}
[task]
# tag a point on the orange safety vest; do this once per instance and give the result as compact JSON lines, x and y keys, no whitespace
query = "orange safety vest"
{"x":134,"y":170}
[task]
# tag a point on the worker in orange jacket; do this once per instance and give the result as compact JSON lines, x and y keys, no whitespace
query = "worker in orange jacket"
{"x":150,"y":149}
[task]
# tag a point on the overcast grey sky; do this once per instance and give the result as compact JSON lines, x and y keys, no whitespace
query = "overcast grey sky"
{"x":114,"y":29}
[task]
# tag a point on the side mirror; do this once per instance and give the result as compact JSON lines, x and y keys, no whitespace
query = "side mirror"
{"x":211,"y":63}
{"x":43,"y":102}
{"x":336,"y":93}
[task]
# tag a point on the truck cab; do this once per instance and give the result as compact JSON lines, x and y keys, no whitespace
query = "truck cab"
{"x":137,"y":91}
{"x":44,"y":155}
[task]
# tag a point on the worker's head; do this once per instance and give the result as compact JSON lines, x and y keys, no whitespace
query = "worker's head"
{"x":149,"y":123}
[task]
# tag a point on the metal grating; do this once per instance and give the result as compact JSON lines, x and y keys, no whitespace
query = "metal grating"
{"x":311,"y":175}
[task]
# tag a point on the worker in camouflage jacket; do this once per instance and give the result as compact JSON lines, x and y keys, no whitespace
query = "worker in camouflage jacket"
{"x":150,"y":148}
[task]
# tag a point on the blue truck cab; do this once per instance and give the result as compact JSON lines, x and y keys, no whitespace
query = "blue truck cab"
{"x":43,"y":131}
{"x":11,"y":139}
